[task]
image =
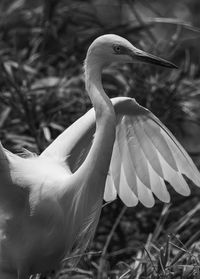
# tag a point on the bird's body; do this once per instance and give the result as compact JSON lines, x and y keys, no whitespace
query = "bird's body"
{"x":36,"y":220}
{"x":50,"y":204}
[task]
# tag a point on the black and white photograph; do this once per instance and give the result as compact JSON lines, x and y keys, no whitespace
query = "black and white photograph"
{"x":99,"y":139}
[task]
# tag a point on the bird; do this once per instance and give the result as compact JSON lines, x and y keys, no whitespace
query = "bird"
{"x":50,"y":204}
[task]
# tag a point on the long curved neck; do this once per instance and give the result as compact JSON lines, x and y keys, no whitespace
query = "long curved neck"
{"x":98,"y":159}
{"x":98,"y":97}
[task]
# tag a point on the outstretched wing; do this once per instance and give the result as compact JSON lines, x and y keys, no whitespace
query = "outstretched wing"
{"x":145,"y":155}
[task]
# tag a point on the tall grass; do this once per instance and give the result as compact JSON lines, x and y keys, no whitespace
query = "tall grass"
{"x":42,"y":48}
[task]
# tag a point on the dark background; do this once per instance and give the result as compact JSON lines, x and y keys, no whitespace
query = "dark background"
{"x":43,"y":44}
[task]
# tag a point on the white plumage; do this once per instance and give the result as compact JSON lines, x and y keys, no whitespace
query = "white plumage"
{"x":50,"y":204}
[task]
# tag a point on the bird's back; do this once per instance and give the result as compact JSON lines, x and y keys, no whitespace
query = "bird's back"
{"x":32,"y":221}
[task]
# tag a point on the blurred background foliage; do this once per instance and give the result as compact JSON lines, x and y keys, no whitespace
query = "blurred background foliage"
{"x":43,"y":44}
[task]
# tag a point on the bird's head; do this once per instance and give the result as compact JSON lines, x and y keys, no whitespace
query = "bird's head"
{"x":112,"y":48}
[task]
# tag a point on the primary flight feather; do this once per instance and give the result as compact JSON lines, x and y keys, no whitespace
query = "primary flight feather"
{"x":50,"y":204}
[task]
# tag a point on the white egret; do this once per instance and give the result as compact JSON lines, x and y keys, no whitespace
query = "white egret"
{"x":51,"y":204}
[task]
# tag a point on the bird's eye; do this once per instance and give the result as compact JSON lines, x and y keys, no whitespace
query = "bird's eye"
{"x":117,"y":49}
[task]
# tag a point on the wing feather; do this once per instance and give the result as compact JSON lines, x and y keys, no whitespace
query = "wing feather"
{"x":128,"y":166}
{"x":110,"y":192}
{"x":115,"y":166}
{"x":145,"y":194}
{"x":158,"y":186}
{"x":126,"y":195}
{"x":184,"y":162}
{"x":174,"y":178}
{"x":138,"y":159}
{"x":154,"y":133}
{"x":147,"y":147}
{"x":150,"y":155}
{"x":145,"y":155}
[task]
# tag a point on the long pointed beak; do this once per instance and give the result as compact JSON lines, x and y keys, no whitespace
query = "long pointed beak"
{"x":152,"y":59}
